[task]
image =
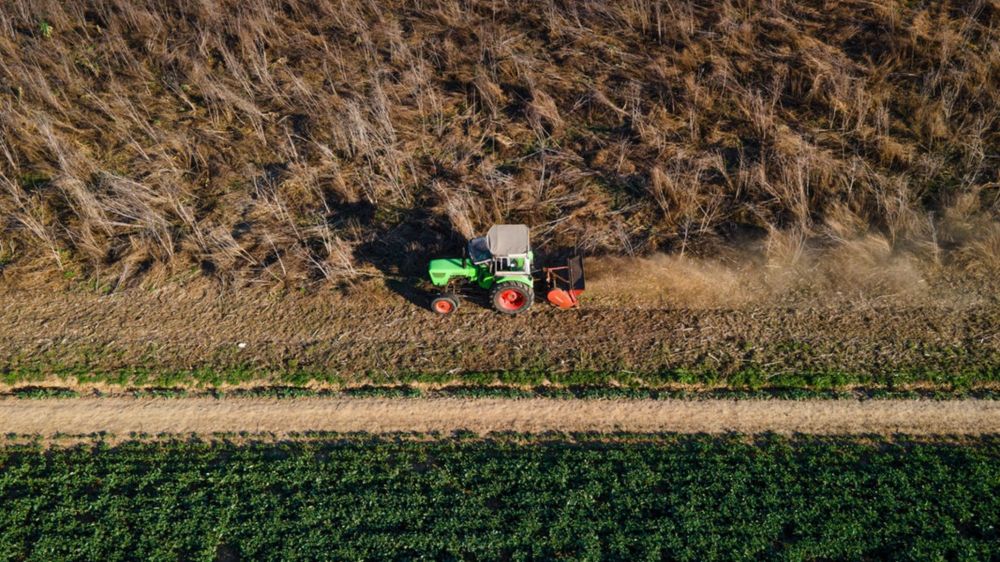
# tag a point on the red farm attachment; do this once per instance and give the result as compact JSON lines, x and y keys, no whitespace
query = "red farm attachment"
{"x":565,"y":283}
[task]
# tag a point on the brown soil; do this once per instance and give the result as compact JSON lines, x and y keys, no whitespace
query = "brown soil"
{"x":372,"y":334}
{"x":283,"y":417}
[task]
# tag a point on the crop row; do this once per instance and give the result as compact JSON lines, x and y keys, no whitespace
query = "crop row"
{"x":972,"y":380}
{"x":681,"y":498}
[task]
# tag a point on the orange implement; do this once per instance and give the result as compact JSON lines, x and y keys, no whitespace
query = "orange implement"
{"x":563,"y":298}
{"x":565,"y":283}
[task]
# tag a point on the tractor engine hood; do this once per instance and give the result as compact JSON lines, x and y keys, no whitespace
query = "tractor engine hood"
{"x":443,"y":270}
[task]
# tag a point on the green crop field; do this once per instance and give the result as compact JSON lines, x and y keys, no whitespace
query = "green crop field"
{"x":511,"y":497}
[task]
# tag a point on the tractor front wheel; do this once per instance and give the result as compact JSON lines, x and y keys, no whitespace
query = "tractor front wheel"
{"x":512,"y":297}
{"x":445,"y":304}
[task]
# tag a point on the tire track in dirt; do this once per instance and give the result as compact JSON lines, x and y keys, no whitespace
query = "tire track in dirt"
{"x":283,"y":417}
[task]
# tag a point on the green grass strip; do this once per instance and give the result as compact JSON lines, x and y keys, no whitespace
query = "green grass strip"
{"x":578,"y":392}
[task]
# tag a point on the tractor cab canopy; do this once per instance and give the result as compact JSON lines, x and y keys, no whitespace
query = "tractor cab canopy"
{"x":504,"y":240}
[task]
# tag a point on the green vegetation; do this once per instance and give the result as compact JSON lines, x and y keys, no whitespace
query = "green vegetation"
{"x":36,"y":392}
{"x":512,"y":497}
{"x":971,"y":381}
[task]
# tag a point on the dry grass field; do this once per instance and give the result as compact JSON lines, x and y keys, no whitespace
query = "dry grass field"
{"x":319,"y":143}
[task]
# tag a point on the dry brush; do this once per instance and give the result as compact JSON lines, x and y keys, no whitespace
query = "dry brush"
{"x":309,"y":141}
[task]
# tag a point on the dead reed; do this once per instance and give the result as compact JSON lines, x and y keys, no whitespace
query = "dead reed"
{"x":301,"y":141}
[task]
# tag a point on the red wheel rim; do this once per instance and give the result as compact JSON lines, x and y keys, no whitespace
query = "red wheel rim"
{"x":510,"y":299}
{"x":443,"y":306}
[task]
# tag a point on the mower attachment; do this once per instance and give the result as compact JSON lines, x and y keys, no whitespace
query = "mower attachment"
{"x":565,"y":283}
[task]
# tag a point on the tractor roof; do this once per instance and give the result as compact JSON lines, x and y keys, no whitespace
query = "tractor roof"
{"x":508,"y":239}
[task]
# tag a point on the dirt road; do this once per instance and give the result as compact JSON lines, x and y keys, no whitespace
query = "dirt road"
{"x":280,"y":417}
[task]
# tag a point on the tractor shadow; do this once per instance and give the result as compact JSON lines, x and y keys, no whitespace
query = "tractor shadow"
{"x":411,"y":292}
{"x":402,"y":250}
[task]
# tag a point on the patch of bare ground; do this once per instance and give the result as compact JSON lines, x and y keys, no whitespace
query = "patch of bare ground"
{"x":371,"y":334}
{"x":287,"y":418}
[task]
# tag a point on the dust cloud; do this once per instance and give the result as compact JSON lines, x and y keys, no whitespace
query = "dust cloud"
{"x":790,"y":269}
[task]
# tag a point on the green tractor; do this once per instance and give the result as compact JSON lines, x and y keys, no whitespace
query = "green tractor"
{"x":502,"y":263}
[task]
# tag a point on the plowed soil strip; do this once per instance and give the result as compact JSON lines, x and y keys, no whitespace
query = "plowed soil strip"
{"x":348,"y":340}
{"x":121,"y":416}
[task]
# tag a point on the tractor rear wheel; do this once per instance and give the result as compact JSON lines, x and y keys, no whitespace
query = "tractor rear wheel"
{"x":445,"y":304}
{"x":512,"y":297}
